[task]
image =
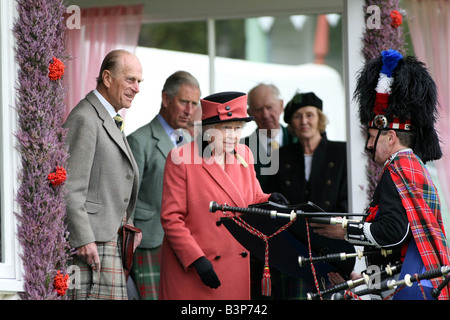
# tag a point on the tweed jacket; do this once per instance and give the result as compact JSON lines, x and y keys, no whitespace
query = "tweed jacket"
{"x":102,"y":174}
{"x":150,"y":145}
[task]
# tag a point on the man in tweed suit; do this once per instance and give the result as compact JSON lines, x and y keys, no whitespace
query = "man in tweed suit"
{"x":103,"y":178}
{"x":150,"y":145}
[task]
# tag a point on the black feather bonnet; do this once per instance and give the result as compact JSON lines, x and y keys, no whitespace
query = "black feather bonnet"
{"x":396,"y":92}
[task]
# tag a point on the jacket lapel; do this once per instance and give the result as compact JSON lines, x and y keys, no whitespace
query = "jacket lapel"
{"x":109,"y":124}
{"x":225,"y":181}
{"x":318,"y":163}
{"x":163,"y":142}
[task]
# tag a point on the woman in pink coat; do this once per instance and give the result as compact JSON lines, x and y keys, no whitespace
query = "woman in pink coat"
{"x":200,"y":258}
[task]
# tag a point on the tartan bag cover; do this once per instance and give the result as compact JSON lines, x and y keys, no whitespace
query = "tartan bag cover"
{"x":421,"y":202}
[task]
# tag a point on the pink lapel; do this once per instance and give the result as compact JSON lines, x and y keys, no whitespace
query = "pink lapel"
{"x":226,"y":179}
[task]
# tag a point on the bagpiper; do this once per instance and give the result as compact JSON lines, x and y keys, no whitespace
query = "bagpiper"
{"x":397,"y":103}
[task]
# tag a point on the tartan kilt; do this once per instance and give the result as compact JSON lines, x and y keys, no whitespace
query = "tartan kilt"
{"x":108,"y":283}
{"x":146,"y":272}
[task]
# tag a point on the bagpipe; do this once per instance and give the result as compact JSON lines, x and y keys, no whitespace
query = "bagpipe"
{"x":287,"y":229}
{"x":389,"y":271}
{"x":297,"y":251}
{"x":396,"y":285}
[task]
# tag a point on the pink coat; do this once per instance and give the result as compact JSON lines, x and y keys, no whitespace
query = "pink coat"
{"x":191,"y":231}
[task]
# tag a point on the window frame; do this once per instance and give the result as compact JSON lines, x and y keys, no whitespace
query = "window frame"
{"x":11,"y":280}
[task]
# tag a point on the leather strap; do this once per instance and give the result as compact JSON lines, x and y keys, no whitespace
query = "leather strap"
{"x":128,"y":233}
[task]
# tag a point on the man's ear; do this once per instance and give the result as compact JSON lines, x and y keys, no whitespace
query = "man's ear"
{"x":281,"y":106}
{"x":107,"y":77}
{"x":392,"y":136}
{"x":165,"y":99}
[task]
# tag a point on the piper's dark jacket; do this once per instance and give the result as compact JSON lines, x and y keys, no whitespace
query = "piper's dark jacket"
{"x":391,"y":230}
{"x":327,"y":186}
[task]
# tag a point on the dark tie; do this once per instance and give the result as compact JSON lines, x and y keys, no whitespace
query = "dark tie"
{"x":119,"y":122}
{"x":178,"y":137}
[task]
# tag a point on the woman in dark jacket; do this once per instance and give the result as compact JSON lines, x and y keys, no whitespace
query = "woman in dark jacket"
{"x":314,"y":169}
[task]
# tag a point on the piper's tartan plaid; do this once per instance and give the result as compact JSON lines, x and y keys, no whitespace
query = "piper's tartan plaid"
{"x":421,"y":201}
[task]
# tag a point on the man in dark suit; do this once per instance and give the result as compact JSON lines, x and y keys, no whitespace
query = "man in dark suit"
{"x":150,"y":145}
{"x":266,"y":107}
{"x":103,"y":178}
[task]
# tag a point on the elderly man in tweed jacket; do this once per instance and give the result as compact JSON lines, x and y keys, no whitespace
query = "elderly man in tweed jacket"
{"x":103,"y":179}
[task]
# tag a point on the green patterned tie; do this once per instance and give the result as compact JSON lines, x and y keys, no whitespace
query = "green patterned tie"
{"x":119,"y":122}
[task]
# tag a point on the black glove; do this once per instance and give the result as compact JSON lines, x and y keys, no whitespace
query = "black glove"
{"x":206,"y":272}
{"x":278,"y":198}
